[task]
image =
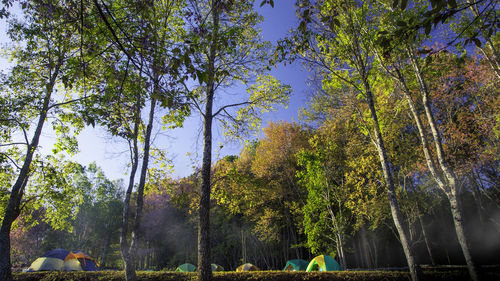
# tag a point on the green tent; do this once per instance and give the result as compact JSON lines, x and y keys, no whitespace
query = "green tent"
{"x":323,"y":263}
{"x":47,"y":264}
{"x":187,"y":267}
{"x":247,"y":267}
{"x":216,"y":267}
{"x":72,"y":265}
{"x":296,"y":265}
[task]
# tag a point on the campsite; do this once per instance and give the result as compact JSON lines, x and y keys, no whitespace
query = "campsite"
{"x":249,"y":140}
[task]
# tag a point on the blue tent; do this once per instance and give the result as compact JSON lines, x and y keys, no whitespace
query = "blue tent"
{"x":57,"y":253}
{"x":87,"y":262}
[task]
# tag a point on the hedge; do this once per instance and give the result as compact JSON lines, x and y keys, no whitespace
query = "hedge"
{"x":458,"y":275}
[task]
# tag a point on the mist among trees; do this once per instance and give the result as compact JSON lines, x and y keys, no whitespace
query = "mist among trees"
{"x":392,"y":162}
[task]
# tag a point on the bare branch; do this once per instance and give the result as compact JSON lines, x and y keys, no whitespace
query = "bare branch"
{"x":67,"y":102}
{"x":13,"y":143}
{"x":11,"y":160}
{"x":230,"y":105}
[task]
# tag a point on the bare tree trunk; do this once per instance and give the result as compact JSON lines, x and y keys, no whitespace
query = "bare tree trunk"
{"x":243,"y":246}
{"x":395,"y":211}
{"x":449,"y":183}
{"x":128,"y":256}
{"x":204,"y":259}
{"x":107,"y":243}
{"x":426,"y":237}
{"x":366,"y":249}
{"x":343,"y":264}
{"x":204,"y":268}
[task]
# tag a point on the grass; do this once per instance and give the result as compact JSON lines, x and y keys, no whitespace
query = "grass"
{"x":431,"y":275}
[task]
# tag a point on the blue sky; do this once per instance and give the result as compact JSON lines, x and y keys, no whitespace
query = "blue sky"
{"x":184,"y":145}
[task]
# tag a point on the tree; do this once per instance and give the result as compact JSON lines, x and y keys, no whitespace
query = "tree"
{"x":45,"y":59}
{"x":341,"y":168}
{"x":472,"y":21}
{"x":261,"y":186}
{"x":394,"y":63}
{"x":97,"y":224}
{"x":152,"y":61}
{"x":326,"y":218}
{"x":330,"y":38}
{"x":227,"y":50}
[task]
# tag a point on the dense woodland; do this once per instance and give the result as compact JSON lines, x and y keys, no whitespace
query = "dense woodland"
{"x":393,"y":162}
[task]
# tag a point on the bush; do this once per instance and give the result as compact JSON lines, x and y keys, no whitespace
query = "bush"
{"x":441,"y":275}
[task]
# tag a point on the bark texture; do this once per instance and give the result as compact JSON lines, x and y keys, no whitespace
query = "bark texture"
{"x":445,"y":178}
{"x":128,"y":255}
{"x":391,"y":194}
{"x":204,"y":259}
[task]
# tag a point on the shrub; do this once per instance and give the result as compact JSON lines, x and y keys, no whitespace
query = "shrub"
{"x":441,"y":275}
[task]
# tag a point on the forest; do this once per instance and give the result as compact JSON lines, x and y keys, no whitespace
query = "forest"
{"x":391,"y":163}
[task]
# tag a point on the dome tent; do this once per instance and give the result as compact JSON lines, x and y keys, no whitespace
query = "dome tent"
{"x":323,"y":263}
{"x":72,"y":265}
{"x":247,"y":267}
{"x":55,"y":260}
{"x":46,"y":264}
{"x":57,"y":253}
{"x":86,"y":261}
{"x":296,"y":265}
{"x":186,"y":267}
{"x":63,"y":260}
{"x":216,"y":267}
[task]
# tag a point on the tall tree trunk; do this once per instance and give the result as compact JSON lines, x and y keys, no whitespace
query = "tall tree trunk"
{"x":243,"y":247}
{"x":105,"y":249}
{"x":343,"y":263}
{"x":449,"y":183}
{"x":204,"y":259}
{"x":395,"y":211}
{"x":360,"y":61}
{"x":367,"y":260}
{"x":142,"y":180}
{"x":426,"y":237}
{"x":14,"y":205}
{"x":204,"y":267}
{"x":128,"y":256}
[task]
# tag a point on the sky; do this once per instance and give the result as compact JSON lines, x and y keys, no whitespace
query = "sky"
{"x":184,"y":145}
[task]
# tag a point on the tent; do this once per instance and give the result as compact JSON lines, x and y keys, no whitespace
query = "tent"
{"x":323,"y":263}
{"x":247,"y":267}
{"x":57,"y":253}
{"x":296,"y":265}
{"x":86,"y":261}
{"x":47,"y":264}
{"x":55,"y":261}
{"x":72,"y":265}
{"x":216,"y":267}
{"x":63,"y":260}
{"x":187,"y":267}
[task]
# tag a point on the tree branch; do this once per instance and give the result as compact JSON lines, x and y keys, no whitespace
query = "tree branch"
{"x":67,"y":102}
{"x":11,"y":160}
{"x":13,"y":143}
{"x":230,"y":105}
